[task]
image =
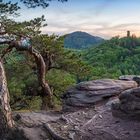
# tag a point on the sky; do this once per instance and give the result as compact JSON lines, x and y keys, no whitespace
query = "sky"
{"x":104,"y":18}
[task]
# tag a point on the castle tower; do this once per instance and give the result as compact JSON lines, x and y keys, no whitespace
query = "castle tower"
{"x":128,"y":33}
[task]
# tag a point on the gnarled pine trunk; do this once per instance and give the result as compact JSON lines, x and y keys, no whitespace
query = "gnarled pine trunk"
{"x":46,"y":94}
{"x":6,"y":120}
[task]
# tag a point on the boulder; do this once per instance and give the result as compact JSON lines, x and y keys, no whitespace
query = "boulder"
{"x":130,"y":78}
{"x":89,"y":93}
{"x":128,"y":106}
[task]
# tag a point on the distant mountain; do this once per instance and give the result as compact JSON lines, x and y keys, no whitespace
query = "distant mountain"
{"x":81,"y":40}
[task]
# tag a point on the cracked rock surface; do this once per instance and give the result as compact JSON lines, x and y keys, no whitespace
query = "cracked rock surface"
{"x":95,"y":123}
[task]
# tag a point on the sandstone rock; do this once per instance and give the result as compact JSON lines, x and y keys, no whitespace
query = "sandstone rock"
{"x":84,"y":124}
{"x":130,"y":78}
{"x":89,"y":93}
{"x":109,"y":127}
{"x":129,"y":105}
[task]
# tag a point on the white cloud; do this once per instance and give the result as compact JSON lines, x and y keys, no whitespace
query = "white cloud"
{"x":53,"y":29}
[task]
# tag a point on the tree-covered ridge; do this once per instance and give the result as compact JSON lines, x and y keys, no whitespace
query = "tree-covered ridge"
{"x":80,"y":40}
{"x":115,"y":57}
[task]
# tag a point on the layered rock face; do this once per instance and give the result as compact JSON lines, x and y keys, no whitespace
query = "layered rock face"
{"x":130,"y":78}
{"x":129,"y":104}
{"x":89,"y":93}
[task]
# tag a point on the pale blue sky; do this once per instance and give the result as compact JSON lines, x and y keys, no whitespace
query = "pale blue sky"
{"x":105,"y":18}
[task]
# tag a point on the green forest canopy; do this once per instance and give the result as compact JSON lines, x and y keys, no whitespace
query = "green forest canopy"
{"x":115,"y":57}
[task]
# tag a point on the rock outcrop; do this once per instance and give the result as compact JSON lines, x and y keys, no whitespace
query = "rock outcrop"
{"x":85,"y":124}
{"x":129,"y":104}
{"x":135,"y":78}
{"x":103,"y":126}
{"x":92,"y":119}
{"x":89,"y":93}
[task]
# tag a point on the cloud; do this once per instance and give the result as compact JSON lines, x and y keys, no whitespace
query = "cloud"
{"x":53,"y":29}
{"x":99,"y":18}
{"x":102,"y":29}
{"x":91,"y":27}
{"x":120,"y":29}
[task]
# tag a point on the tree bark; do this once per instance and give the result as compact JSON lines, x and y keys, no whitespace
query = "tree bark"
{"x":6,"y":120}
{"x":46,"y":91}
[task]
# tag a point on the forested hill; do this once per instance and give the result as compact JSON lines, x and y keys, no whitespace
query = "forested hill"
{"x":81,"y":40}
{"x":115,"y":57}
